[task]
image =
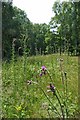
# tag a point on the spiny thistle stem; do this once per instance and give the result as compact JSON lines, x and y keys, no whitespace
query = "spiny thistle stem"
{"x":56,"y":94}
{"x":13,"y":67}
{"x":66,"y":93}
{"x":61,"y":69}
{"x":60,"y":106}
{"x":64,"y":85}
{"x":13,"y":55}
{"x":53,"y":107}
{"x":24,"y":58}
{"x":52,"y":82}
{"x":48,"y":113}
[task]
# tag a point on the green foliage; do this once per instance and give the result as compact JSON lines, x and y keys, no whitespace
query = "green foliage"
{"x":66,"y":18}
{"x":62,"y":34}
{"x":7,"y":28}
{"x":23,"y":100}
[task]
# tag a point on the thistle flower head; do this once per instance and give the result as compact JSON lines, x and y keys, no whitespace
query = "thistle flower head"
{"x":51,"y":87}
{"x":29,"y":82}
{"x":43,"y":71}
{"x":65,"y":73}
{"x":61,"y":59}
{"x":43,"y":68}
{"x":40,"y":74}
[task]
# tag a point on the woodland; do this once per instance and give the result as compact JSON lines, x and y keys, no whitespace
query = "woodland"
{"x":61,"y":35}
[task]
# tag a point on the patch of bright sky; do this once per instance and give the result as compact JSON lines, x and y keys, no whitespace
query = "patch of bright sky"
{"x":38,"y":11}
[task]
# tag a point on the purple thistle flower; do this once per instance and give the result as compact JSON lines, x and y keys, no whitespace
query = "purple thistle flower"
{"x":43,"y":71}
{"x":40,"y":74}
{"x":43,"y":68}
{"x":52,"y":88}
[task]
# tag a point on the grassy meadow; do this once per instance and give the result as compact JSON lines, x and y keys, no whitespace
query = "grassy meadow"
{"x":26,"y":92}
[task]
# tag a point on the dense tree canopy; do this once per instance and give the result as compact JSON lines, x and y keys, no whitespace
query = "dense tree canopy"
{"x":62,"y":34}
{"x":66,"y":19}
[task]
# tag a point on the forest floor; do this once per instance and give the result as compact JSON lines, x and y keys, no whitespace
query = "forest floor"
{"x":25,"y":91}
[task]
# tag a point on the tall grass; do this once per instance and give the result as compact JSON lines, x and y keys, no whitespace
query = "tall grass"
{"x":25,"y":91}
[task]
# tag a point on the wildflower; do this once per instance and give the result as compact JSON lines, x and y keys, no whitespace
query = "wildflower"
{"x":52,"y":88}
{"x":40,"y":74}
{"x":65,"y":75}
{"x":18,"y":108}
{"x":43,"y":70}
{"x":61,"y":60}
{"x":29,"y":82}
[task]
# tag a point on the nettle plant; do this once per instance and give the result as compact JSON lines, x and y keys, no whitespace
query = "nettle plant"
{"x":63,"y":111}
